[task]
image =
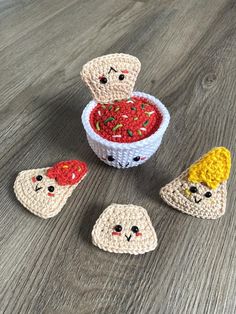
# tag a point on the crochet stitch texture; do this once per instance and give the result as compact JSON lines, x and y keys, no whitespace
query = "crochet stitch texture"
{"x":117,"y":136}
{"x":45,"y":191}
{"x":111,"y":67}
{"x":126,"y":121}
{"x":124,"y":229}
{"x":67,"y":172}
{"x":202,"y":198}
{"x":212,"y":169}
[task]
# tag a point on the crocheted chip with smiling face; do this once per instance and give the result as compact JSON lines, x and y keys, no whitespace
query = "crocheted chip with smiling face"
{"x":45,"y":191}
{"x":111,"y":77}
{"x":201,"y":190}
{"x":124,"y":229}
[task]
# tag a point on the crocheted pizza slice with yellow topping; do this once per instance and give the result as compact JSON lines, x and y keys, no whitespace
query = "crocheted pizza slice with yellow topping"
{"x":201,"y":190}
{"x":124,"y":229}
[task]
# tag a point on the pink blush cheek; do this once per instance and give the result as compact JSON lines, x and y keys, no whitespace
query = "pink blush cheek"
{"x":138,"y":234}
{"x":34,"y":179}
{"x":143,"y":158}
{"x":116,"y":233}
{"x":51,"y":194}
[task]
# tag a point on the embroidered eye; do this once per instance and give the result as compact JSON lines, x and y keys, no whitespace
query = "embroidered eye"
{"x":110,"y":158}
{"x":51,"y":189}
{"x":118,"y":228}
{"x":193,"y":189}
{"x":39,"y":178}
{"x":103,"y":80}
{"x":208,"y":194}
{"x":121,"y":77}
{"x":136,"y":158}
{"x":135,"y":229}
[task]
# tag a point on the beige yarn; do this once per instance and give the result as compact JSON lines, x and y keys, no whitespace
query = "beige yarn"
{"x":126,"y":216}
{"x":177,"y":195}
{"x":114,"y":89}
{"x":39,"y":203}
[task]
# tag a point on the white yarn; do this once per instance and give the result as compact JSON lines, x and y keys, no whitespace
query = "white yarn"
{"x":123,"y":153}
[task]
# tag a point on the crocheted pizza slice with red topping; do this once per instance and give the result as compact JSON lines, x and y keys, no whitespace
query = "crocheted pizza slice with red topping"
{"x":126,"y":121}
{"x":44,"y":191}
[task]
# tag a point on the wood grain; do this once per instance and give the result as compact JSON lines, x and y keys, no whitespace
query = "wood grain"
{"x":187,"y":49}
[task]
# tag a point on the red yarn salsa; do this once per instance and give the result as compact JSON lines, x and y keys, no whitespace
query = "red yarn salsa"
{"x":67,"y":172}
{"x":126,"y":121}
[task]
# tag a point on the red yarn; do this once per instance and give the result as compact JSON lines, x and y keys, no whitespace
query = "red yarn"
{"x":126,"y":121}
{"x":68,"y":172}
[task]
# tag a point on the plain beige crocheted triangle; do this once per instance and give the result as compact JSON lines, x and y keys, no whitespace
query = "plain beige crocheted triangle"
{"x":124,"y":229}
{"x":203,"y":202}
{"x":111,"y":77}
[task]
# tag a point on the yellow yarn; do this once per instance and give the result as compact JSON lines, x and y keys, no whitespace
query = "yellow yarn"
{"x":187,"y":192}
{"x":212,"y":169}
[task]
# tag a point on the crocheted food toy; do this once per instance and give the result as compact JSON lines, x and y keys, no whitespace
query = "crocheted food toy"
{"x":124,"y":128}
{"x":45,"y":191}
{"x":201,"y":190}
{"x":124,"y":229}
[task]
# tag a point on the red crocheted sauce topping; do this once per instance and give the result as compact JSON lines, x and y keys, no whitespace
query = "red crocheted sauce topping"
{"x":126,"y":121}
{"x":68,"y":172}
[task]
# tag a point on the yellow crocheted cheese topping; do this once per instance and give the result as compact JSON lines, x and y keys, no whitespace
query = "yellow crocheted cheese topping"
{"x":212,"y":169}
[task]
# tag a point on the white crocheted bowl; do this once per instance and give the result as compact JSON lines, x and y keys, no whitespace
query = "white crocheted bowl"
{"x":125,"y":155}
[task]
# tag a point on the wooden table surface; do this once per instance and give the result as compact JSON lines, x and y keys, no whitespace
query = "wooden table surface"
{"x":188,"y":54}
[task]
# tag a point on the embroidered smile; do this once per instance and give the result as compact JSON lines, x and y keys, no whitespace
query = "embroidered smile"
{"x":197,"y":201}
{"x":124,"y":166}
{"x":128,"y":238}
{"x":37,"y":188}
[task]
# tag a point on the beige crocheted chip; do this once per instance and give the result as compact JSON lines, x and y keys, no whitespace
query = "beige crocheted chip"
{"x":124,"y":229}
{"x":45,"y":197}
{"x":201,"y":190}
{"x":111,"y":77}
{"x":178,"y":195}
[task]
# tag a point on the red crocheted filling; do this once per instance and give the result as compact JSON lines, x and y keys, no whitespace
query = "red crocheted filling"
{"x":126,"y":121}
{"x":68,"y":172}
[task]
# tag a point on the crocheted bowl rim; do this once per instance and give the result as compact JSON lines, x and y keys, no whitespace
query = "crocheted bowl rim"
{"x":159,"y":132}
